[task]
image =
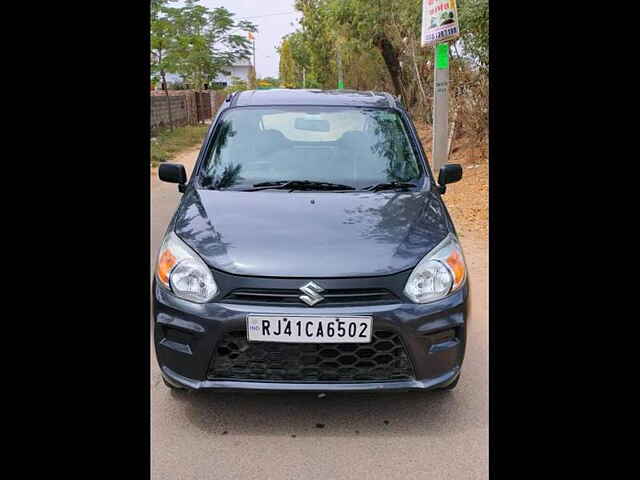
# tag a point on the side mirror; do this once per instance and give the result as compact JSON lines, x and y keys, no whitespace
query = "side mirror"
{"x":449,"y":173}
{"x":173,"y":173}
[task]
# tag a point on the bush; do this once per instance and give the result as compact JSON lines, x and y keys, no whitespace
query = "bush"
{"x":237,"y":85}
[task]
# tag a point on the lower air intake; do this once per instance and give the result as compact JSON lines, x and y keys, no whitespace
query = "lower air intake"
{"x":384,"y":359}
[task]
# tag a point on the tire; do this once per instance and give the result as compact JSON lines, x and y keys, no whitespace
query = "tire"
{"x":172,"y":387}
{"x":452,"y":385}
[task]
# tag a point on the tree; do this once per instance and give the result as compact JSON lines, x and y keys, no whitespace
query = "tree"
{"x":288,"y":66}
{"x":296,"y":67}
{"x":195,"y":42}
{"x":315,"y":45}
{"x":379,"y":45}
{"x":364,"y":24}
{"x":237,"y":85}
{"x":474,"y":26}
{"x":163,"y":36}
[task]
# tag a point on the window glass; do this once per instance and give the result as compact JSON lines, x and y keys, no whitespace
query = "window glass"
{"x":350,"y":146}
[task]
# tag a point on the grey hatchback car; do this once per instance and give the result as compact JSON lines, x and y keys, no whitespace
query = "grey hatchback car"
{"x":311,"y":251}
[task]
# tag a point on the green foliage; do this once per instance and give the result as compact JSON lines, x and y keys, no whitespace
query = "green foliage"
{"x":237,"y":85}
{"x":288,"y":67}
{"x":379,"y":47}
{"x":163,"y":36}
{"x":195,"y":42}
{"x":315,"y":46}
{"x":474,"y":26}
{"x":167,"y":142}
{"x":268,"y":82}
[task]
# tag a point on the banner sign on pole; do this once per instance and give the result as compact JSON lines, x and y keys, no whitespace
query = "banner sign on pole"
{"x":442,"y":55}
{"x":439,"y":21}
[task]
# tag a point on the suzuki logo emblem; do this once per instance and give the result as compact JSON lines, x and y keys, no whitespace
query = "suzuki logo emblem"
{"x":312,"y":291}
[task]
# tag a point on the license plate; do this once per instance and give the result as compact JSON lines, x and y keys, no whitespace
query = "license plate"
{"x":293,"y":329}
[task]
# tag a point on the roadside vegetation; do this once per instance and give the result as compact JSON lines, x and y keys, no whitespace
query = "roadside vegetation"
{"x":167,"y":143}
{"x":378,"y":46}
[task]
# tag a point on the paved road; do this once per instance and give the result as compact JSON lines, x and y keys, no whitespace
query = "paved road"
{"x":435,"y":435}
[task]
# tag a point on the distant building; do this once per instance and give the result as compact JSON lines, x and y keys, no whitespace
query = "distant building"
{"x":240,"y":70}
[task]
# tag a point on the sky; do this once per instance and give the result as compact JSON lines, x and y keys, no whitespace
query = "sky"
{"x":271,"y":28}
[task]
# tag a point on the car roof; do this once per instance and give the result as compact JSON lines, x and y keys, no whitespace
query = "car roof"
{"x":284,"y":96}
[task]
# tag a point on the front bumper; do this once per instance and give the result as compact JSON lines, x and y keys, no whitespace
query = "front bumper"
{"x":186,"y":336}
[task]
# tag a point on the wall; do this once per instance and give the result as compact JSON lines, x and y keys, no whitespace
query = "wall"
{"x":160,"y":111}
{"x":187,"y":107}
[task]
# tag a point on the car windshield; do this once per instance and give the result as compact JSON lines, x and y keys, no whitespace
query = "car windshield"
{"x":352,"y":147}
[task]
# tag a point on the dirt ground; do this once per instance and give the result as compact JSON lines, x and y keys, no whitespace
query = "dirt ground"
{"x":467,"y":200}
{"x":187,"y":158}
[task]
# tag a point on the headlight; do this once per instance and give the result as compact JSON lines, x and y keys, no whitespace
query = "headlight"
{"x":441,"y":272}
{"x":183,"y":272}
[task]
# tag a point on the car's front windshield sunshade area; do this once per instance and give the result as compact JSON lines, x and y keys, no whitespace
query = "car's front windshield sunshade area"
{"x":348,"y":146}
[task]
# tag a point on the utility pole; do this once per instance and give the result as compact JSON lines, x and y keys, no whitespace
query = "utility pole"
{"x":439,"y":26}
{"x":440,"y":142}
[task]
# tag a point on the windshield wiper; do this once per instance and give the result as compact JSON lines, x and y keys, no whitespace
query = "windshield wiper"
{"x":298,"y":185}
{"x":388,"y":186}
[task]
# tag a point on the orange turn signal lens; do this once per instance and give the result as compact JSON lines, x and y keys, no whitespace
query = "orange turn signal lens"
{"x":165,"y":264}
{"x":456,"y":263}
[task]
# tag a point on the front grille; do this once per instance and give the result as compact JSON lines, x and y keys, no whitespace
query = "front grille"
{"x":384,"y":359}
{"x":332,"y":297}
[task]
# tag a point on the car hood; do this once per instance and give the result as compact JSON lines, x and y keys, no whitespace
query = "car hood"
{"x":311,"y":234}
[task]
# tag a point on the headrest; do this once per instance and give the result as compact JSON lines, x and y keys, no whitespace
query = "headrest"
{"x":269,"y":140}
{"x":353,"y":139}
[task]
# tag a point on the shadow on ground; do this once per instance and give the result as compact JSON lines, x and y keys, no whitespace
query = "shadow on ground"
{"x":304,"y":414}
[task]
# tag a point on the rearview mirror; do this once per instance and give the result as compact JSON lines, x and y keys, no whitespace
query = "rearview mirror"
{"x":312,"y":125}
{"x":449,"y":173}
{"x":172,"y":173}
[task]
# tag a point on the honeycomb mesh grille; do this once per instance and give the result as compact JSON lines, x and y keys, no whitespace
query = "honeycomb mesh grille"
{"x":384,"y":359}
